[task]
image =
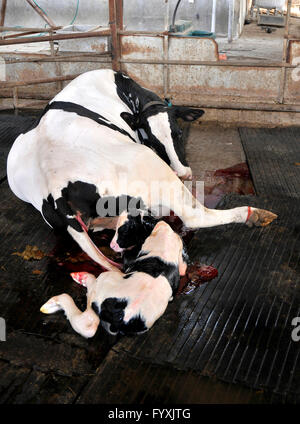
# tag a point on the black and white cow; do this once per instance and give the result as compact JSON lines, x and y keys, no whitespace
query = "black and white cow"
{"x":130,"y":302}
{"x":105,"y":137}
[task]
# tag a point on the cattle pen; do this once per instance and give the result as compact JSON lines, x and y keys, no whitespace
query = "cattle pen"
{"x":233,"y":339}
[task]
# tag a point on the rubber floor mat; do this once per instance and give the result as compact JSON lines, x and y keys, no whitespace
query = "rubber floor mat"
{"x":10,"y":127}
{"x":44,"y":347}
{"x":273,"y":156}
{"x":238,"y":327}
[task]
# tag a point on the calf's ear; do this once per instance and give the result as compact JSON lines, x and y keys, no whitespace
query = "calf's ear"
{"x":130,"y":119}
{"x":188,"y":114}
{"x":182,"y":261}
{"x":83,"y":278}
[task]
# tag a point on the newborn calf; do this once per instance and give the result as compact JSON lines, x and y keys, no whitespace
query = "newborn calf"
{"x":132,"y":230}
{"x":128,"y":303}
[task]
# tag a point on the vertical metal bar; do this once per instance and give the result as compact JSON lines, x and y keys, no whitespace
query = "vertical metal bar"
{"x":166,"y":50}
{"x":57,"y":64}
{"x":167,"y":15}
{"x":230,"y":19}
{"x":283,"y":75}
{"x":3,"y":10}
{"x":120,"y":27}
{"x":15,"y":100}
{"x":213,"y":16}
{"x":119,"y":5}
{"x":286,"y":31}
{"x":166,"y":66}
{"x":114,"y":35}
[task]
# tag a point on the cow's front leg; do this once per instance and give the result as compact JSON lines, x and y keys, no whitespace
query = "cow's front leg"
{"x":178,"y":198}
{"x":212,"y":217}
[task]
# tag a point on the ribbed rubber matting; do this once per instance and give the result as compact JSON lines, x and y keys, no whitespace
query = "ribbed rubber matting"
{"x":10,"y":127}
{"x":237,"y":327}
{"x":273,"y":156}
{"x":227,"y":336}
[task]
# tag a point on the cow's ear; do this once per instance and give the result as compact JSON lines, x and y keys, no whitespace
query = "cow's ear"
{"x":188,"y":114}
{"x":130,"y":119}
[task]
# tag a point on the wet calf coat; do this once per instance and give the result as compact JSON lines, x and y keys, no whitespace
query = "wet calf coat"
{"x":130,"y":302}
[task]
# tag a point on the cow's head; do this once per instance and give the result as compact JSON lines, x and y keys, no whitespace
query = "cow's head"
{"x":157,"y":127}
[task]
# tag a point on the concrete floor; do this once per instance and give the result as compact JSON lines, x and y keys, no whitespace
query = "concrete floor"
{"x":255,"y":44}
{"x":217,"y":158}
{"x":211,"y":147}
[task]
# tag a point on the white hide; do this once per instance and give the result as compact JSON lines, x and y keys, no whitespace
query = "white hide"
{"x":146,"y":296}
{"x":160,"y":128}
{"x":65,"y":148}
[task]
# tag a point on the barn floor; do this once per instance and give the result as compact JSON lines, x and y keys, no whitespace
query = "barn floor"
{"x":256,"y":44}
{"x":227,"y":341}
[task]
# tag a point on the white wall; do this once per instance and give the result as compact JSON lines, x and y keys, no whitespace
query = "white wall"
{"x":138,"y":14}
{"x":20,"y":13}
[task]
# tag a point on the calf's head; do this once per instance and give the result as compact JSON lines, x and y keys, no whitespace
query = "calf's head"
{"x":157,"y":127}
{"x":131,"y":230}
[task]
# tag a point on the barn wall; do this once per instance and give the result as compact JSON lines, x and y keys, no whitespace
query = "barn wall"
{"x":138,"y":14}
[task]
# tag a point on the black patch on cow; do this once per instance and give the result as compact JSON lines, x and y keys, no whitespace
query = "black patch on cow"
{"x":76,"y":197}
{"x":86,"y":113}
{"x":155,"y":267}
{"x":136,"y":97}
{"x":80,"y":197}
{"x":51,"y":215}
{"x":188,"y":114}
{"x":153,"y":143}
{"x":135,"y":230}
{"x":132,"y":94}
{"x":57,"y":216}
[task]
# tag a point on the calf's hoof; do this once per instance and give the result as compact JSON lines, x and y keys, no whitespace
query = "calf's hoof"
{"x":260,"y":218}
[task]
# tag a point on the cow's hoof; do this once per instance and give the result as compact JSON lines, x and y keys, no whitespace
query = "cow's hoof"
{"x":260,"y":218}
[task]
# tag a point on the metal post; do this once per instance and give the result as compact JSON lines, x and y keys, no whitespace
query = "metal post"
{"x":213,"y":16}
{"x":230,"y":19}
{"x":115,"y":47}
{"x":119,"y":5}
{"x":15,"y":100}
{"x":282,"y":84}
{"x":3,"y":10}
{"x":167,"y":15}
